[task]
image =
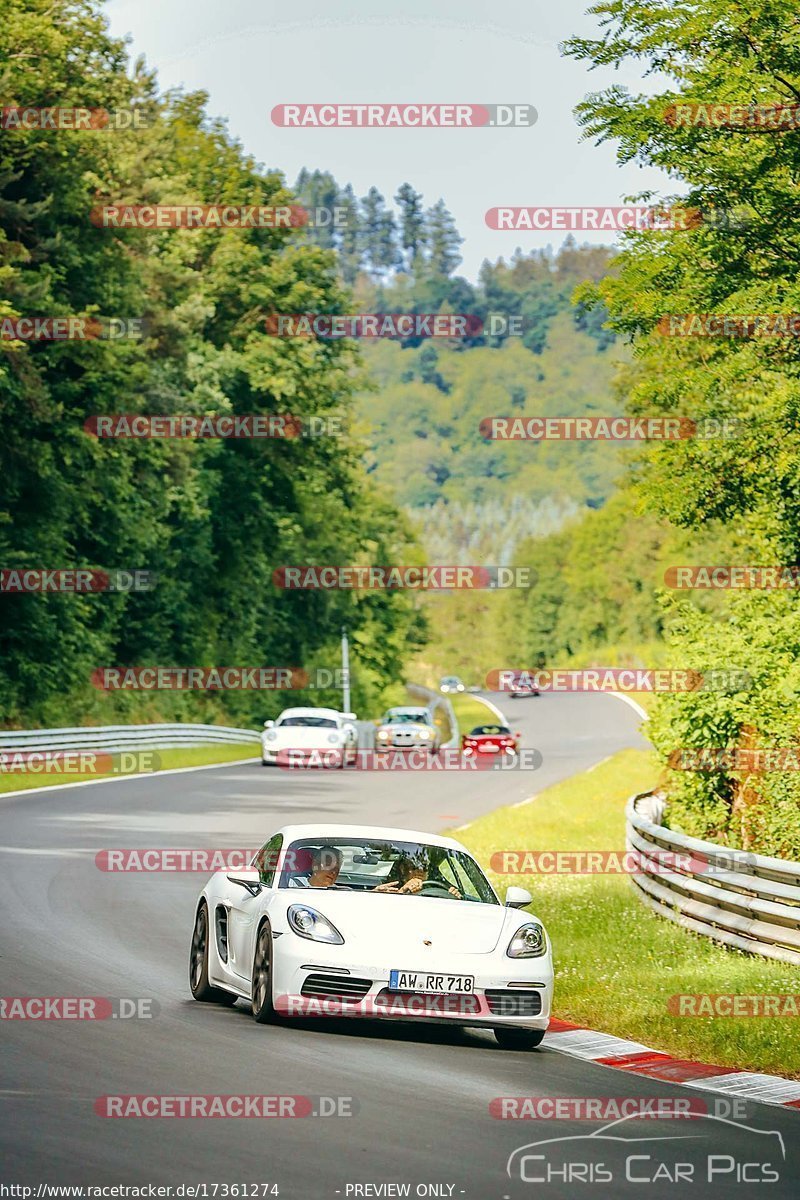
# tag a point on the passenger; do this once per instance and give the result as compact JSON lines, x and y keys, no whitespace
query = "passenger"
{"x":326,"y":863}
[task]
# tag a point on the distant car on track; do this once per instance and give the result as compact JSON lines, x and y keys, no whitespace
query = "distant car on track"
{"x":490,"y":739}
{"x":451,"y":684}
{"x":522,"y":685}
{"x":333,"y":920}
{"x":322,"y":733}
{"x":408,"y":727}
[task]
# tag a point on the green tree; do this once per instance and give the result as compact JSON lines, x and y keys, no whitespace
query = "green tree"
{"x":708,"y":53}
{"x":413,"y":235}
{"x":379,"y":232}
{"x":443,"y":240}
{"x":212,"y":518}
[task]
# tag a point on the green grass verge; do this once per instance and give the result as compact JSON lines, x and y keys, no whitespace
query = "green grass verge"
{"x":617,"y":963}
{"x":192,"y":756}
{"x":471,"y":711}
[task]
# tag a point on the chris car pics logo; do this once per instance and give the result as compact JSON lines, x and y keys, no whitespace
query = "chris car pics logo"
{"x":714,"y":1150}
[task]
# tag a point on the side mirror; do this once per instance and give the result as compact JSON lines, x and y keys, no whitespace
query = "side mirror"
{"x":516,"y":897}
{"x":268,"y":724}
{"x":249,"y":885}
{"x":518,"y":734}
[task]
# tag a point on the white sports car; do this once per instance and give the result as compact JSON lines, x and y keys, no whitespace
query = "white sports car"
{"x":408,"y":727}
{"x":318,"y":736}
{"x":350,"y":920}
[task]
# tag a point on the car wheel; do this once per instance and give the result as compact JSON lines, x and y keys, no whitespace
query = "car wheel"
{"x":198,"y":963}
{"x":509,"y":1038}
{"x":263,"y":1008}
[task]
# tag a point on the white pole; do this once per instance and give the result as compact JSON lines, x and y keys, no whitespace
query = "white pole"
{"x":345,"y":670}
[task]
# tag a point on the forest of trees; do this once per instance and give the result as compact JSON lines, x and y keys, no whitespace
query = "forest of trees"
{"x":212,"y":519}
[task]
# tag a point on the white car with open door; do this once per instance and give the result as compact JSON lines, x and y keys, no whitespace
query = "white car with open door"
{"x":350,"y":920}
{"x":315,"y":736}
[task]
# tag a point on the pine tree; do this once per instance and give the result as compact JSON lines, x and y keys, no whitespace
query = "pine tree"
{"x":379,"y":235}
{"x":413,"y":235}
{"x":443,"y":240}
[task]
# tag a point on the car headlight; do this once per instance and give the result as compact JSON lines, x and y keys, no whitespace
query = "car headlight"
{"x":308,"y":923}
{"x":528,"y":942}
{"x":383,"y":735}
{"x":425,"y":734}
{"x":270,"y":735}
{"x":334,"y":738}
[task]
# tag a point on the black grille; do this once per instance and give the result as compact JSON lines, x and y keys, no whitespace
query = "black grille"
{"x":507,"y":1002}
{"x":342,"y":987}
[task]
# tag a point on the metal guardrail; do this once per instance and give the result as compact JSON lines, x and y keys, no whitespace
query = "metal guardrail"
{"x":116,"y":738}
{"x":746,"y":901}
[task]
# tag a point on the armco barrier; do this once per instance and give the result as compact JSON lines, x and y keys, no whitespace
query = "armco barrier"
{"x":115,"y":738}
{"x":746,"y":901}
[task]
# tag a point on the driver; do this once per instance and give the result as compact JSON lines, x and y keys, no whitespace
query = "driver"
{"x":409,"y":878}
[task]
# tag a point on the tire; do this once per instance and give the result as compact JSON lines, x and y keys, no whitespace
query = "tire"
{"x":201,"y":989}
{"x":261,"y":987}
{"x":509,"y":1038}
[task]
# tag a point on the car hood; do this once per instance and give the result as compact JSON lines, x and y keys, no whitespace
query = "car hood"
{"x":395,"y":725}
{"x":391,"y":923}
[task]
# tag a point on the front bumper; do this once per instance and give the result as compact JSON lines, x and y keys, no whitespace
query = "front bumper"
{"x":325,"y":756}
{"x":405,"y":743}
{"x":505,"y":985}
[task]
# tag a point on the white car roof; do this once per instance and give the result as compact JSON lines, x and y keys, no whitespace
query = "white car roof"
{"x":408,"y":708}
{"x":310,"y":712}
{"x":331,"y":830}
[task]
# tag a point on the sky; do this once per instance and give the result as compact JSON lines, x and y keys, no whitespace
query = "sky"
{"x":250,"y":57}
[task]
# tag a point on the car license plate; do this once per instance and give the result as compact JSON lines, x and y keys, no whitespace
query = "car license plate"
{"x":491,"y":746}
{"x":425,"y":981}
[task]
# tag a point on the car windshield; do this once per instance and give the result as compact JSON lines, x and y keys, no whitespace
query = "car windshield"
{"x":310,"y":722}
{"x":406,"y":718}
{"x":366,"y":864}
{"x":496,"y":730}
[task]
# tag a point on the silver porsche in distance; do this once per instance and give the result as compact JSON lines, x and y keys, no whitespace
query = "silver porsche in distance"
{"x":409,"y":727}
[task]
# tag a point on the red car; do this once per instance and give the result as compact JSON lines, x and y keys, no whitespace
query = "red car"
{"x":490,"y":739}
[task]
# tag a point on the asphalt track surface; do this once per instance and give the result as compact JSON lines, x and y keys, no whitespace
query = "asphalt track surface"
{"x":420,"y":1093}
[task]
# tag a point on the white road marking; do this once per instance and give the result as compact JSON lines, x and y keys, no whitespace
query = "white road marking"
{"x":58,"y":787}
{"x":633,"y":704}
